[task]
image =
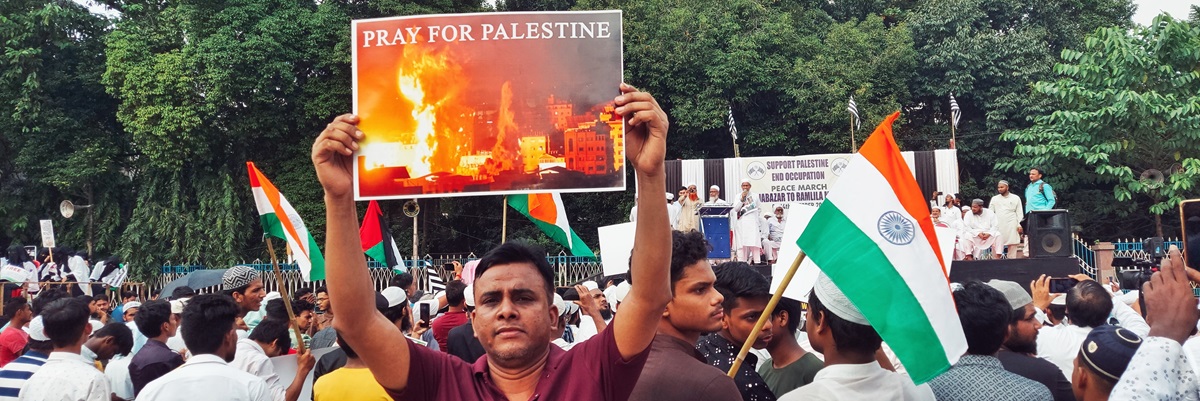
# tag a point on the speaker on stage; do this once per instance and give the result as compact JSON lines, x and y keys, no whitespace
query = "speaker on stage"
{"x":1049,"y":233}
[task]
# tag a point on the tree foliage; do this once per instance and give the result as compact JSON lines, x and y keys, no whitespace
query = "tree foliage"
{"x":1125,"y":104}
{"x":151,"y":115}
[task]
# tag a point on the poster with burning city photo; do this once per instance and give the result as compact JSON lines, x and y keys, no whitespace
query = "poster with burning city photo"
{"x":488,"y":104}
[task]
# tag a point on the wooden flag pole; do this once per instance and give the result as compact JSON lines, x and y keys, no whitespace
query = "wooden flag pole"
{"x":853,"y":144}
{"x":766,"y":314}
{"x":287,"y":299}
{"x":504,"y":219}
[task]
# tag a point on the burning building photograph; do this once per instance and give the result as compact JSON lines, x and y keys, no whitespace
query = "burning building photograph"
{"x":486,"y":104}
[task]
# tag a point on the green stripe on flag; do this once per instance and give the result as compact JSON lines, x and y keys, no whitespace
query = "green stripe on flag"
{"x":316,"y":260}
{"x":272,"y":226}
{"x":862,"y":271}
{"x":556,"y":233}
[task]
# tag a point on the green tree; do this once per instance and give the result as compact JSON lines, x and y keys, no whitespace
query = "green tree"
{"x":1125,"y":105}
{"x":62,"y":141}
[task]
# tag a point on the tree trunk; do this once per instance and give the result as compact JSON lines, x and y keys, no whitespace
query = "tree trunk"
{"x":1158,"y":225}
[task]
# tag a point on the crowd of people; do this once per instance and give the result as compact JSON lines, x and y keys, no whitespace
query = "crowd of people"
{"x":28,"y":269}
{"x":755,"y":239}
{"x":997,"y":225}
{"x":669,"y":329}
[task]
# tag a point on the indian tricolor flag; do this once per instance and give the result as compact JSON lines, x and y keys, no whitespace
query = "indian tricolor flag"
{"x":280,"y":220}
{"x":547,"y":212}
{"x":873,"y":237}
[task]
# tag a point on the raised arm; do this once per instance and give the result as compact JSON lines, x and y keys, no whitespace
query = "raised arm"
{"x":351,"y":295}
{"x":645,"y":146}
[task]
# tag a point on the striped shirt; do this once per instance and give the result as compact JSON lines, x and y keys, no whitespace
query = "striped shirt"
{"x":14,"y":375}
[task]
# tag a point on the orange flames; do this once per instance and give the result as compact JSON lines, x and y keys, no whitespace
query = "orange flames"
{"x":432,"y":83}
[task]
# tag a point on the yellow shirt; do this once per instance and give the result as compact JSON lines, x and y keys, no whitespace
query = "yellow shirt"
{"x":349,"y":384}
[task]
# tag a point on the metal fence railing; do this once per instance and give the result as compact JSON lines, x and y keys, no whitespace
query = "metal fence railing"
{"x":1084,"y":255}
{"x":1133,"y":247}
{"x":568,"y":270}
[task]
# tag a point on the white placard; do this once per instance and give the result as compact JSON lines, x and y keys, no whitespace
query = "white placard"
{"x":616,"y":244}
{"x":806,"y":275}
{"x":47,"y":234}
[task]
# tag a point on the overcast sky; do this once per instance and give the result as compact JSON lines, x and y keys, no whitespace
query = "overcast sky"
{"x":1148,"y":9}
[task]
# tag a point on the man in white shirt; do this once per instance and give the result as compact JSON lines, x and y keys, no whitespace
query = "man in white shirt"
{"x":66,"y":374}
{"x":1009,"y":212}
{"x":851,"y":371}
{"x":207,"y":375}
{"x":271,"y":338}
{"x":774,"y":235}
{"x":673,"y":209}
{"x":1089,"y":305}
{"x":979,"y":231}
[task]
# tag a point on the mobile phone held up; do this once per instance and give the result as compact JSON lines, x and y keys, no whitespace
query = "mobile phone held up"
{"x":425,"y":312}
{"x":1062,"y":285}
{"x":1189,"y":220}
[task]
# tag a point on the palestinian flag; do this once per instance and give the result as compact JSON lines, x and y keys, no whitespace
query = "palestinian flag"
{"x":271,"y":207}
{"x":377,"y":241}
{"x":874,"y":239}
{"x":547,"y":212}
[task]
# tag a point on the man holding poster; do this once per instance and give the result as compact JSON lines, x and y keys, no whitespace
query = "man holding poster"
{"x":513,"y":292}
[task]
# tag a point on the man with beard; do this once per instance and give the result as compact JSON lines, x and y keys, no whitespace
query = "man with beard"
{"x":1018,"y":354}
{"x":1009,"y":213}
{"x":513,"y":291}
{"x":689,"y":203}
{"x":695,"y":308}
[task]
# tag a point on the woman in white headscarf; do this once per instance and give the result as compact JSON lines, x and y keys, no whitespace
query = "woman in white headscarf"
{"x":746,"y":237}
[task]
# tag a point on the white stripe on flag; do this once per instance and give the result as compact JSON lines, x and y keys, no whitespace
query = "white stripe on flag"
{"x":955,"y":112}
{"x":853,"y":109}
{"x":912,"y":261}
{"x":732,"y":124}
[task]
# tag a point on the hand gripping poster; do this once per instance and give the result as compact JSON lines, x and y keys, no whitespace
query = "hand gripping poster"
{"x":488,"y":104}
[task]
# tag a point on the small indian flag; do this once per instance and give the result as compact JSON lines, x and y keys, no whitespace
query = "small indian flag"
{"x":874,"y":239}
{"x":271,"y":206}
{"x":547,"y":212}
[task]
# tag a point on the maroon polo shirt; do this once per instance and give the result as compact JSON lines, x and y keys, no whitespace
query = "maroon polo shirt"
{"x":592,"y":370}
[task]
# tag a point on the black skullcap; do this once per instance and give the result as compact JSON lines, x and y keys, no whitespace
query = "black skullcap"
{"x":1108,"y":349}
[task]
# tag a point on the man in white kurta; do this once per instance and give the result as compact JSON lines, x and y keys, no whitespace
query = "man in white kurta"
{"x":746,"y":237}
{"x":979,"y":231}
{"x":774,"y":235}
{"x":1009,"y":212}
{"x":689,"y":204}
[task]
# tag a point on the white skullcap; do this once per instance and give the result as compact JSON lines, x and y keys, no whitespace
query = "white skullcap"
{"x":1013,"y":292}
{"x":620,"y":293}
{"x":271,"y":295}
{"x":560,"y":304}
{"x":670,"y":196}
{"x":36,"y":330}
{"x":714,"y":188}
{"x":394,"y":295}
{"x":691,"y":184}
{"x":745,"y":181}
{"x":178,"y":305}
{"x":591,"y":285}
{"x":131,"y":305}
{"x":469,"y":295}
{"x":96,"y":326}
{"x":1059,"y":300}
{"x":834,"y":300}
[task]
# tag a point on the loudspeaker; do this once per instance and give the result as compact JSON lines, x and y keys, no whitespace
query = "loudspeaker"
{"x":1049,"y":234}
